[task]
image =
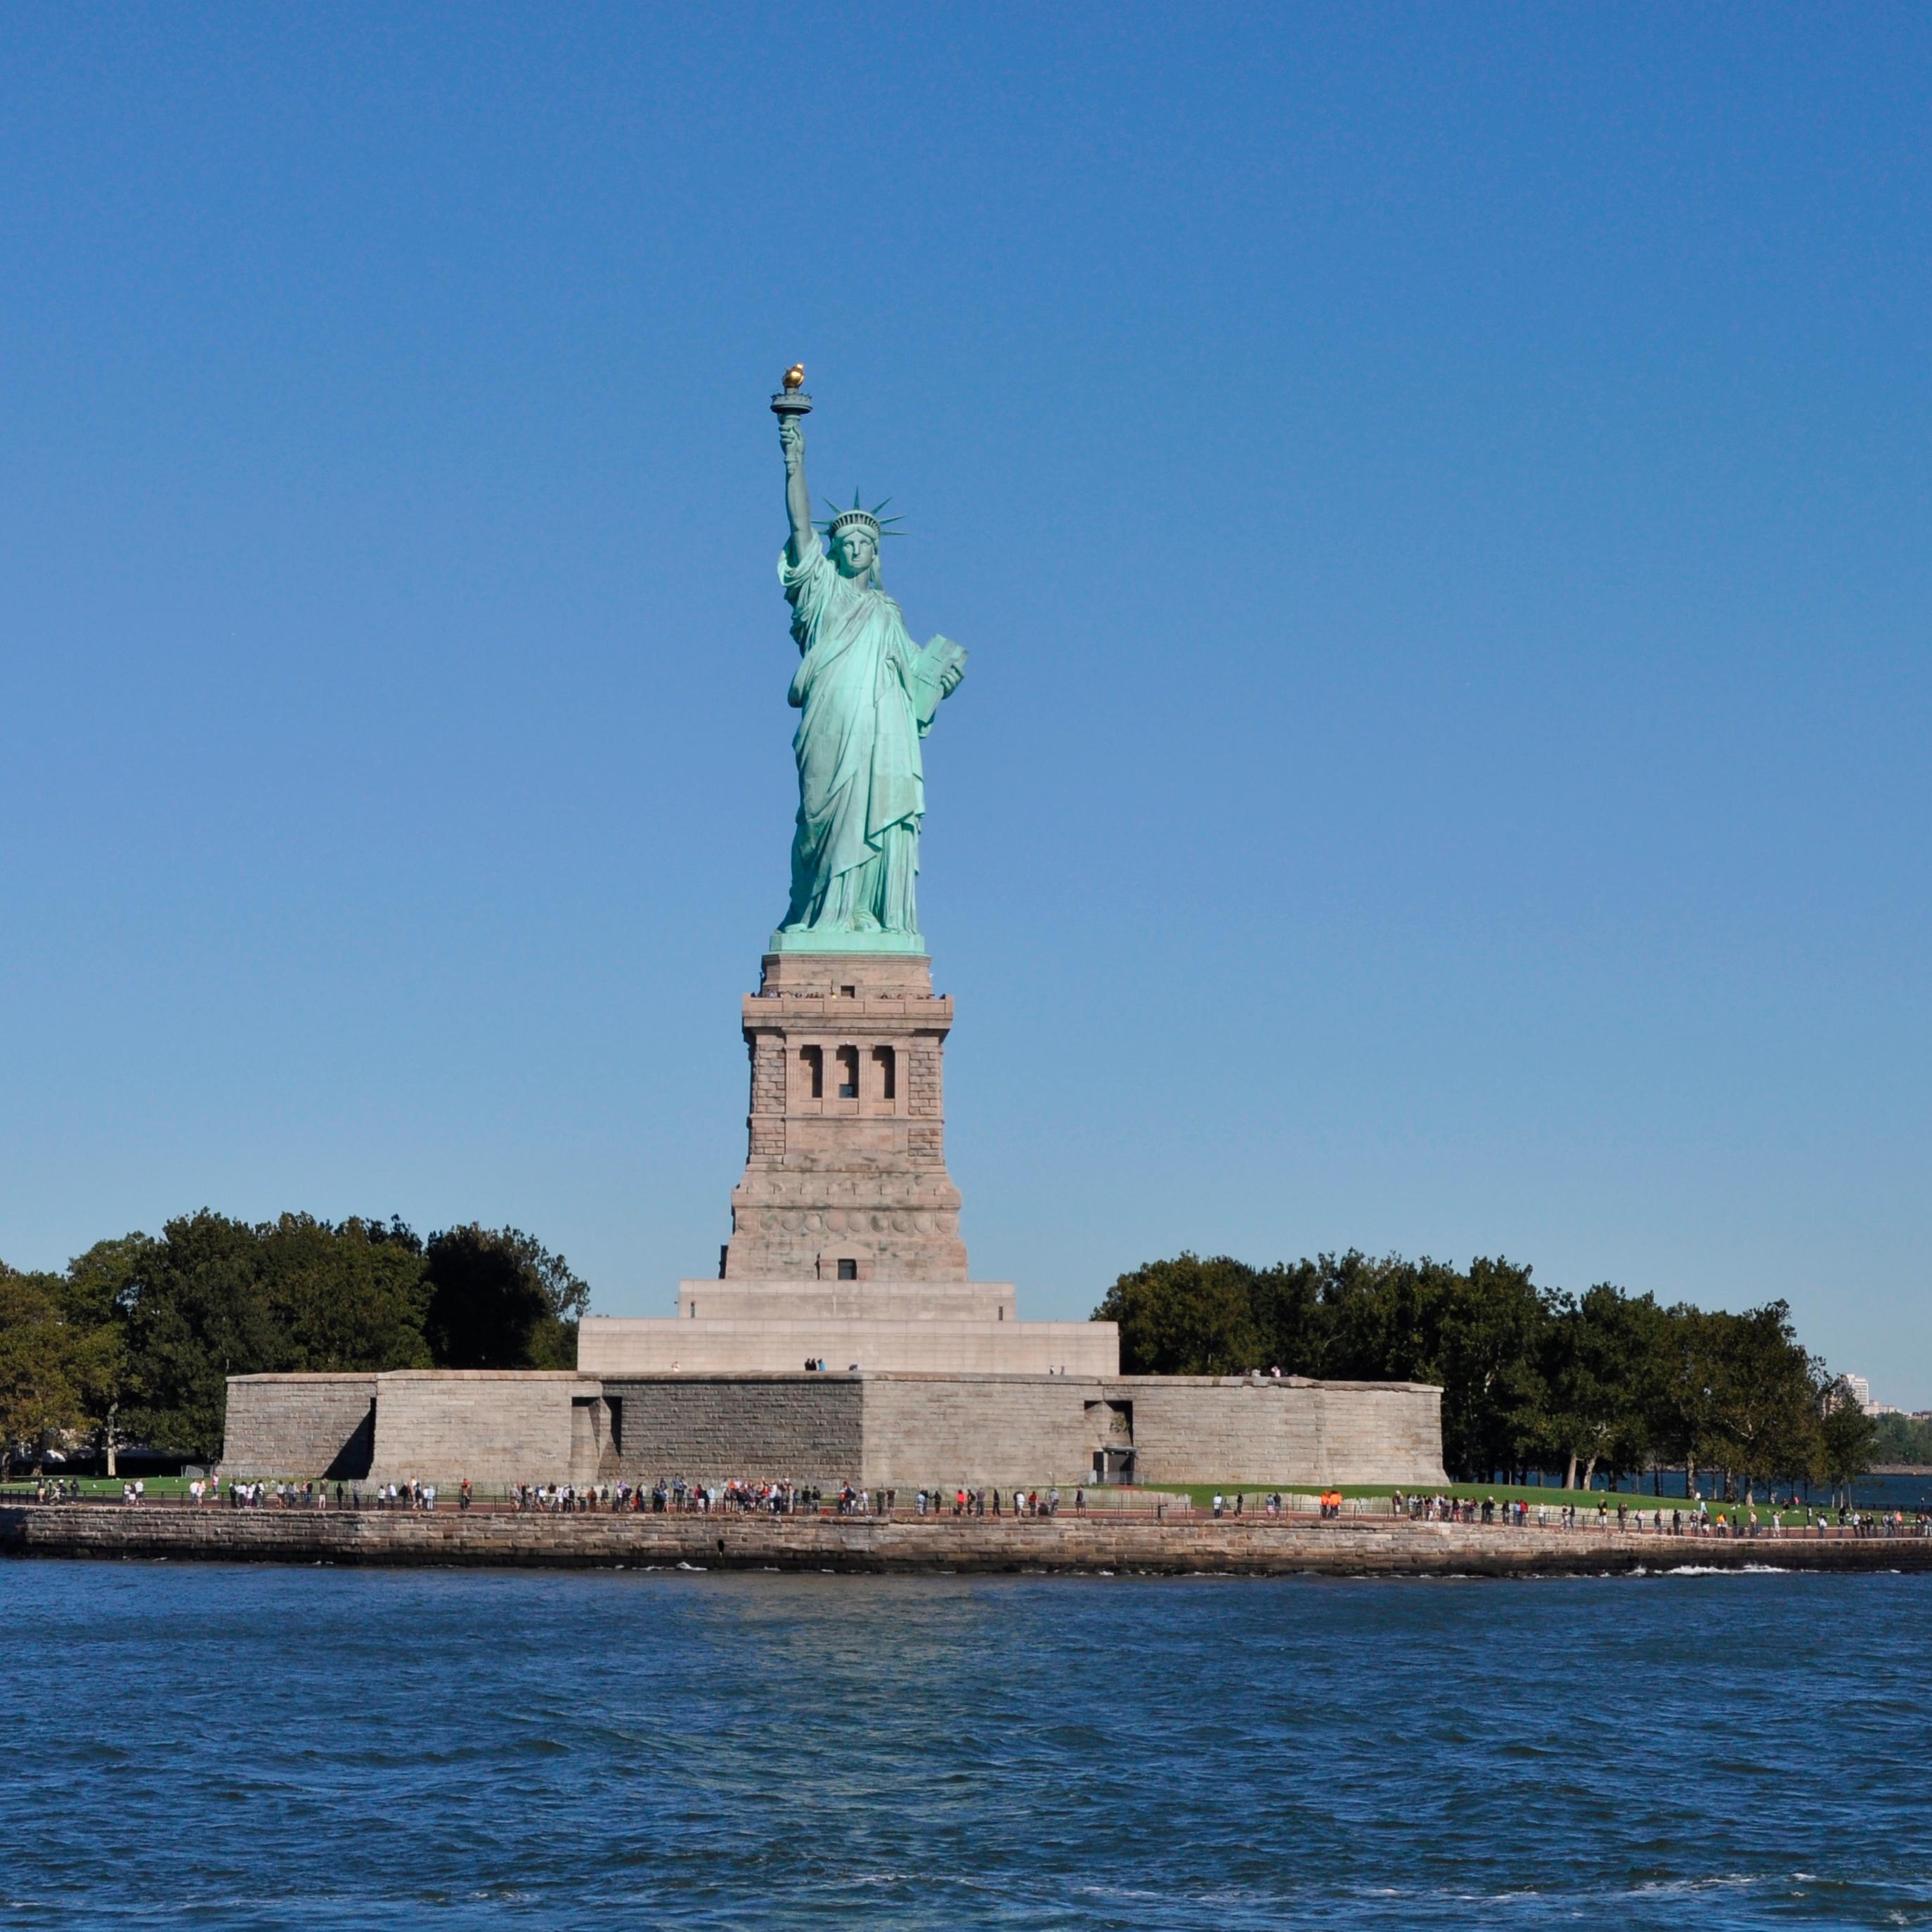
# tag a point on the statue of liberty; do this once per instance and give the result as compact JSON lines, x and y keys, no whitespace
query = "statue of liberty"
{"x":867,"y":695}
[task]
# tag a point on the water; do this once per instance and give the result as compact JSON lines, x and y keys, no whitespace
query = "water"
{"x":223,"y":1748}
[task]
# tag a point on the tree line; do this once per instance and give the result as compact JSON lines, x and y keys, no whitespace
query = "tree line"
{"x":1905,"y":1440}
{"x":1533,"y":1378}
{"x":134,"y":1343}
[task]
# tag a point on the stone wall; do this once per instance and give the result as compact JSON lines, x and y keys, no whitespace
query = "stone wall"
{"x":902,"y":1430}
{"x":492,"y":1426}
{"x":619,"y":1346}
{"x":299,"y":1425}
{"x":878,"y":1299}
{"x":999,"y":1430}
{"x":1196,"y":1429}
{"x":795,"y":1428}
{"x":1368,"y":1428}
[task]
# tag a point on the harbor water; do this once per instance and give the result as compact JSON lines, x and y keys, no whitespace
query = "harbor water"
{"x":240,"y":1747}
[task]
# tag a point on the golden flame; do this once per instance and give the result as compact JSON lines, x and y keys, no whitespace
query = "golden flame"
{"x":794,"y":376}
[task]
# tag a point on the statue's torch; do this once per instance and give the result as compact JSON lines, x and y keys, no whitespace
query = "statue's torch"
{"x":791,"y":400}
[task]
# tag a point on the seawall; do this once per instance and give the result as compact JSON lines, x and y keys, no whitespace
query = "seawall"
{"x":1063,"y":1545}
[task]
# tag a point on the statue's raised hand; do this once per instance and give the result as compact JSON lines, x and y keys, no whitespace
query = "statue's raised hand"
{"x":791,"y":440}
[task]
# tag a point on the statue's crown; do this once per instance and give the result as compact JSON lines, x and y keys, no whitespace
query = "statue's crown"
{"x":869,"y":520}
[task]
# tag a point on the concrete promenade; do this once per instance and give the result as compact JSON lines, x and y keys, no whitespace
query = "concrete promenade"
{"x":1065,"y":1544}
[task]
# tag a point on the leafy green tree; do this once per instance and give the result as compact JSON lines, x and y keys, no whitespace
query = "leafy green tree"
{"x":352,"y":1295}
{"x":1683,"y":1393}
{"x":1185,"y":1317}
{"x":215,"y":1297}
{"x":1906,"y":1440}
{"x":1846,"y":1435}
{"x":1291,"y":1324}
{"x":1476,"y":1334}
{"x":198,"y":1312}
{"x":96,"y":1293}
{"x":1493,"y":1393}
{"x":498,"y":1299}
{"x":137,"y":1340}
{"x":1766,"y":1414}
{"x":1383,"y":1320}
{"x":1597,"y":1351}
{"x":40,"y":1393}
{"x":1607,"y":1379}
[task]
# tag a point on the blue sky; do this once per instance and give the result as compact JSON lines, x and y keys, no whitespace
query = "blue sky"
{"x":1437,"y":500}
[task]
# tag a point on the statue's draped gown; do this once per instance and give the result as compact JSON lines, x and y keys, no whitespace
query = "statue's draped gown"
{"x":867,"y":694}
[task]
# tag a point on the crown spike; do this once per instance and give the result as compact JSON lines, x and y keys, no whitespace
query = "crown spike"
{"x":858,"y":513}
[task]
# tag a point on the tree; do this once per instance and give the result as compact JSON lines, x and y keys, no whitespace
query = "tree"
{"x":1186,"y":1317}
{"x":215,"y":1298}
{"x":1845,"y":1436}
{"x":1491,"y":1322}
{"x":40,"y":1399}
{"x":1683,"y":1392}
{"x":1382,"y":1320}
{"x":352,"y":1295}
{"x":1906,"y":1439}
{"x":1597,"y":1353}
{"x":96,"y":1292}
{"x":1476,"y":1334}
{"x":138,"y":1338}
{"x":1291,"y":1321}
{"x":498,"y":1299}
{"x":1765,"y":1412}
{"x":198,"y":1312}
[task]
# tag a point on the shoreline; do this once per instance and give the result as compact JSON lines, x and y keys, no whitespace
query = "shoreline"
{"x":1065,"y":1545}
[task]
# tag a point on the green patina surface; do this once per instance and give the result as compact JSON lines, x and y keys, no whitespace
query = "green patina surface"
{"x":867,"y":694}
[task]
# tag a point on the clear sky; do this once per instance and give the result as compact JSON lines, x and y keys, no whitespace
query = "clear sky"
{"x":1438,"y":501}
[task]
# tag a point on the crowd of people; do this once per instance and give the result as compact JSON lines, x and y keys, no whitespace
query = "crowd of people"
{"x":680,"y":1495}
{"x":1681,"y":1519}
{"x":676,"y":1495}
{"x":261,"y":1495}
{"x":667,"y":1495}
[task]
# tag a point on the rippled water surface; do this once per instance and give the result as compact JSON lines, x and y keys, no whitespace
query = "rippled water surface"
{"x":260,"y":1747}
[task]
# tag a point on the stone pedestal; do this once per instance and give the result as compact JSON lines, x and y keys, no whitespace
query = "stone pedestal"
{"x":845,"y":1179}
{"x":845,"y":1246}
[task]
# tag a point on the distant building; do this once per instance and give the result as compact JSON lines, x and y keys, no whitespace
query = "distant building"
{"x":1859,"y":1389}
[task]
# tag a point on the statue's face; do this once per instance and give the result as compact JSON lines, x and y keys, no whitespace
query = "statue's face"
{"x":853,"y":552}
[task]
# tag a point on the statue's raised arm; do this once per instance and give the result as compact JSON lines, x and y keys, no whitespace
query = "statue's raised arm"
{"x":798,"y":497}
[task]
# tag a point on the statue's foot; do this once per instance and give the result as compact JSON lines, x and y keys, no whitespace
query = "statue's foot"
{"x":864,"y":921}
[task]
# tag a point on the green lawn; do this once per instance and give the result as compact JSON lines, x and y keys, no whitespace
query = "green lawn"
{"x":98,"y":1485}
